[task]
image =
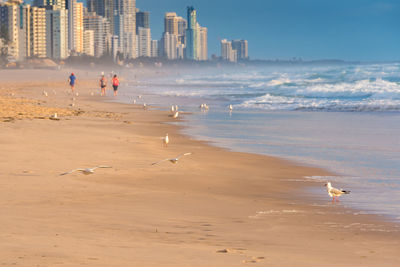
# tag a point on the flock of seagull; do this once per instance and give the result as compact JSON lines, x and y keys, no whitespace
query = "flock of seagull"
{"x":333,"y":192}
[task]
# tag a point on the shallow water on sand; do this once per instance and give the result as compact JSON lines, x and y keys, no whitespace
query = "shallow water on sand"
{"x":343,"y":118}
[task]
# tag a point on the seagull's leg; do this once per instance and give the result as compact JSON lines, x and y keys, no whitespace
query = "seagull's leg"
{"x":333,"y":199}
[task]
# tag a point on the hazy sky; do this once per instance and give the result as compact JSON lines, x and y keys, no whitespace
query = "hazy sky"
{"x":311,"y":29}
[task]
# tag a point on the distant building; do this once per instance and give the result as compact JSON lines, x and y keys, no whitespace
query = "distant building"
{"x":203,"y":43}
{"x":171,"y":23}
{"x":144,"y":42}
{"x":75,"y":26}
{"x":37,"y":36}
{"x":57,"y":33}
{"x":88,"y":42}
{"x":101,"y":29}
{"x":142,"y":20}
{"x":191,"y":34}
{"x":154,"y":48}
{"x":241,"y":46}
{"x":227,"y":53}
{"x":169,"y":45}
{"x":13,"y":18}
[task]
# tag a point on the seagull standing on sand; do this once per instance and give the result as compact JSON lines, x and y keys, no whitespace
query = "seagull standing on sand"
{"x":173,"y":160}
{"x":172,"y":109}
{"x":86,"y":171}
{"x":176,"y":114}
{"x":230,"y":107}
{"x":166,"y":140}
{"x":45,"y":93}
{"x":335,"y":193}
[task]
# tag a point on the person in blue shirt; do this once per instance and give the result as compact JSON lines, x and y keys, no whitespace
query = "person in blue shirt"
{"x":71,"y":80}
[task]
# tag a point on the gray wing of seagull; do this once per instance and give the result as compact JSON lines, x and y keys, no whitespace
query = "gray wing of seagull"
{"x":98,"y":167}
{"x":65,"y":173}
{"x":155,"y":163}
{"x":338,"y":192}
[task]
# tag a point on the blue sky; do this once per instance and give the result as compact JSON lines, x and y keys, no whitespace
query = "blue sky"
{"x":311,"y":29}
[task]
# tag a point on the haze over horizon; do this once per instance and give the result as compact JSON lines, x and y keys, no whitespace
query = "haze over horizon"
{"x":362,"y":30}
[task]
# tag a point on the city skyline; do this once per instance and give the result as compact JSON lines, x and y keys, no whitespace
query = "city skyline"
{"x":364,"y":30}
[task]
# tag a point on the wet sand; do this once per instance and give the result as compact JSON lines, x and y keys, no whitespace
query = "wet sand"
{"x":213,"y":208}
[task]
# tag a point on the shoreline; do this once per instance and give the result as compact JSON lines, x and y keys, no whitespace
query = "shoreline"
{"x":251,"y":212}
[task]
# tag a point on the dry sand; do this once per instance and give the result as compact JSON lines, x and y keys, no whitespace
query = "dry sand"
{"x":213,"y":208}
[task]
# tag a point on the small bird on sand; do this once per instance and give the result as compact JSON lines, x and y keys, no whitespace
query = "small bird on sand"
{"x":176,"y":114}
{"x":86,"y":171}
{"x":166,"y":140}
{"x":54,"y":117}
{"x":134,"y":101}
{"x":173,"y":160}
{"x":45,"y":93}
{"x":172,"y":109}
{"x":335,"y":193}
{"x":230,"y":107}
{"x":144,"y":106}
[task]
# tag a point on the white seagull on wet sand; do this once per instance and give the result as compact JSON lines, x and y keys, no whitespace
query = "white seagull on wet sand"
{"x":176,"y":114}
{"x":166,"y":140}
{"x":335,"y":193}
{"x":173,"y":160}
{"x":86,"y":171}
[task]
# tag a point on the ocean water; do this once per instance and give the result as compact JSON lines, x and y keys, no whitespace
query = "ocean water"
{"x":345,"y":118}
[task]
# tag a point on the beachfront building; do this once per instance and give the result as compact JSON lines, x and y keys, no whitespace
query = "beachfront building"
{"x":37,"y":33}
{"x":202,"y":52}
{"x":88,"y":43}
{"x":191,"y":34}
{"x":171,"y":23}
{"x":154,"y":48}
{"x":144,"y":42}
{"x":75,"y":25}
{"x":101,"y":29}
{"x":57,"y":33}
{"x":124,"y":22}
{"x":142,"y":20}
{"x":169,"y":44}
{"x":182,"y":26}
{"x":13,"y":23}
{"x":227,"y":53}
{"x":241,"y":46}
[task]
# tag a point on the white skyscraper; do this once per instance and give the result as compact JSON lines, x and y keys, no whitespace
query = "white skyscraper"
{"x":125,"y":26}
{"x":227,"y":53}
{"x":144,"y":42}
{"x":154,"y":48}
{"x":169,"y":43}
{"x":88,"y":43}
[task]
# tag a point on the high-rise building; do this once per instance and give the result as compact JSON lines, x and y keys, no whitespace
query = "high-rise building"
{"x":101,"y":29}
{"x":227,"y":53}
{"x":241,"y":46}
{"x":13,"y":18}
{"x":124,"y":22}
{"x":88,"y":43}
{"x":144,"y":42}
{"x":169,"y":45}
{"x":75,"y":26}
{"x":203,"y":43}
{"x":191,"y":34}
{"x":154,"y":48}
{"x":142,"y":20}
{"x":57,"y":33}
{"x":171,"y":23}
{"x":182,"y":26}
{"x":37,"y":36}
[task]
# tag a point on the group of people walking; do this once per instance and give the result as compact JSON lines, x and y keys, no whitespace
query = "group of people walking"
{"x":102,"y":83}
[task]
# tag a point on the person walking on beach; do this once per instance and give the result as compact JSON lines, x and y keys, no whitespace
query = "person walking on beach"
{"x":115,"y":84}
{"x":103,"y":84}
{"x":71,"y":81}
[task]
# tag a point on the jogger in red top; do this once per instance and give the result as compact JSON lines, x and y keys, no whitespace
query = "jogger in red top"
{"x":115,"y":83}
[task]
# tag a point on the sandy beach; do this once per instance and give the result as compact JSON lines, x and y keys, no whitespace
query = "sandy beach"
{"x":213,"y":208}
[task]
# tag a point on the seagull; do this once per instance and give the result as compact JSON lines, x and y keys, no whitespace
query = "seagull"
{"x":176,"y":107}
{"x":335,"y":193}
{"x":144,"y":106}
{"x":176,"y":114}
{"x":134,"y":101}
{"x":172,"y":109}
{"x":45,"y":93}
{"x":173,"y":160}
{"x":230,"y":107}
{"x":166,"y":140}
{"x":54,"y":117}
{"x":86,"y":171}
